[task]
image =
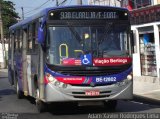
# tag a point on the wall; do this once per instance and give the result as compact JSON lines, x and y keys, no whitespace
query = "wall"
{"x":158,"y":1}
{"x":1,"y":55}
{"x":105,"y":2}
{"x":137,"y":64}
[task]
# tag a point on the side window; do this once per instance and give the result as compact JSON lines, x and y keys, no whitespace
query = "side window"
{"x":21,"y":39}
{"x":16,"y":41}
{"x":9,"y":42}
{"x":29,"y":38}
{"x":34,"y":37}
{"x":9,"y":46}
{"x":14,"y":36}
{"x":32,"y":44}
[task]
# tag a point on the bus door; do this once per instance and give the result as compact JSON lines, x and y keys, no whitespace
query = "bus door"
{"x":25,"y":62}
{"x":32,"y":59}
{"x":28,"y":56}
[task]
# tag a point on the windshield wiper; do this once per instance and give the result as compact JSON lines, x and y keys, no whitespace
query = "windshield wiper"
{"x":78,"y":38}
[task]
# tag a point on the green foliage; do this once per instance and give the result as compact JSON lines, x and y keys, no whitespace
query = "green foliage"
{"x":9,"y":16}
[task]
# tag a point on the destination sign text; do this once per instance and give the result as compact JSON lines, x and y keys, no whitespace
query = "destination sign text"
{"x":88,"y":15}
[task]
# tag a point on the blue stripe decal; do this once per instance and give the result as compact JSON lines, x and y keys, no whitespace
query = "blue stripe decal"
{"x":107,"y":79}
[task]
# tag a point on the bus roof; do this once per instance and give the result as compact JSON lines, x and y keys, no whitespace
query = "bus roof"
{"x":44,"y":13}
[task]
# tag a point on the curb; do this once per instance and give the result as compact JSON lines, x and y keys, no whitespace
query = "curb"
{"x":146,"y":100}
{"x":3,"y":73}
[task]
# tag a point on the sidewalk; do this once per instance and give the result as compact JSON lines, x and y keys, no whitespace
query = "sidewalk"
{"x":3,"y":73}
{"x":147,"y":88}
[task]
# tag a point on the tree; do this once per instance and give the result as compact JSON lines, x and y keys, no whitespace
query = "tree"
{"x":9,"y":16}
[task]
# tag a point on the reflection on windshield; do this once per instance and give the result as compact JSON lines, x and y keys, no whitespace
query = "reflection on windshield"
{"x":71,"y":42}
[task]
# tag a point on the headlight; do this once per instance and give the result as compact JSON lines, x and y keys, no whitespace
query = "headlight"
{"x":129,"y":77}
{"x":51,"y":78}
{"x":57,"y":83}
{"x":64,"y":85}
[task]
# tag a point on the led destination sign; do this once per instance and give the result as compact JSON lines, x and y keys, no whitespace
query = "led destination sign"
{"x":88,"y":14}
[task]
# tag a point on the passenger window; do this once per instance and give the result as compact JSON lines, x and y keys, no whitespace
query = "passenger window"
{"x":16,"y":41}
{"x":29,"y":38}
{"x":21,"y":39}
{"x":34,"y":36}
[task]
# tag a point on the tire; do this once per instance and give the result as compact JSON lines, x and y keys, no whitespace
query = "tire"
{"x":20,"y":94}
{"x":110,"y":105}
{"x":41,"y":106}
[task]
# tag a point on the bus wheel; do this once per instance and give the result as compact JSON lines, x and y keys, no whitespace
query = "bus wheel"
{"x":110,"y":105}
{"x":41,"y":106}
{"x":20,"y":94}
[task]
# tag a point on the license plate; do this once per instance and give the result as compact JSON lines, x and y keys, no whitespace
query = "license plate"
{"x":92,"y":93}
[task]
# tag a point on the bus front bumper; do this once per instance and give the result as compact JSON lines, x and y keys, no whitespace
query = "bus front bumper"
{"x":78,"y":93}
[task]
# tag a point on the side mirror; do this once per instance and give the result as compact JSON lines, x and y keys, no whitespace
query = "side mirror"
{"x":40,"y":35}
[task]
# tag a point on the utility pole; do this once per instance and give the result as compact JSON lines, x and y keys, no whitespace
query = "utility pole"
{"x":79,"y":2}
{"x":22,"y":13}
{"x":2,"y":38}
{"x":57,"y":4}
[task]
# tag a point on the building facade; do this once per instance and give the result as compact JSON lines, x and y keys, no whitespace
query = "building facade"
{"x":105,"y":2}
{"x":145,"y":20}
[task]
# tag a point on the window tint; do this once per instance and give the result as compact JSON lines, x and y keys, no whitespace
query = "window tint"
{"x":32,"y":43}
{"x":29,"y":37}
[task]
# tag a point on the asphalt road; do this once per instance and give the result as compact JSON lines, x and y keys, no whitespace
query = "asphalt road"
{"x":25,"y":108}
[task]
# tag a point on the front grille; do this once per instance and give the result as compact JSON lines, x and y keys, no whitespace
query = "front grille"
{"x":99,"y":71}
{"x":89,"y":70}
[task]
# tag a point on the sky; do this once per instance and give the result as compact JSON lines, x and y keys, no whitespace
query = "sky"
{"x":31,"y":7}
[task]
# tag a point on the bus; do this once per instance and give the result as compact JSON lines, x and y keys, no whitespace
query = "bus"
{"x":80,"y":54}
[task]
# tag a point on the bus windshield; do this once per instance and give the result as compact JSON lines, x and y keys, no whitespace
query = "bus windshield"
{"x":110,"y":40}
